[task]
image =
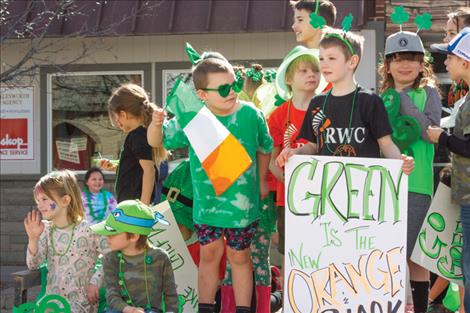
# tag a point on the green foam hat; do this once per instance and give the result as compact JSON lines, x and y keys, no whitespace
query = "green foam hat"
{"x":282,"y":89}
{"x":131,"y":216}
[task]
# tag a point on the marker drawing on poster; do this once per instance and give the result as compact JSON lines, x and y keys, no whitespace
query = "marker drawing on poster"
{"x":345,"y":235}
{"x":169,"y":239}
{"x":440,"y":241}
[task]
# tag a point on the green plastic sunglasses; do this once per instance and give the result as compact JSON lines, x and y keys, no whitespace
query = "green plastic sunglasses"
{"x":224,"y":89}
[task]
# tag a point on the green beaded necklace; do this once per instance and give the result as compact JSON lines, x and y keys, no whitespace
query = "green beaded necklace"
{"x":51,"y":237}
{"x":100,"y":216}
{"x":122,"y":282}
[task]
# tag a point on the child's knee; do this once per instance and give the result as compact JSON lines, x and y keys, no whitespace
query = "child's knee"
{"x":239,"y":257}
{"x":212,"y":252}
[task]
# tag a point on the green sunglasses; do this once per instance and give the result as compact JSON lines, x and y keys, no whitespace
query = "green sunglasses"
{"x":224,"y":90}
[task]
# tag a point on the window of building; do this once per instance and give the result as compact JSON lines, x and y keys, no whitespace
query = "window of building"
{"x":80,"y":131}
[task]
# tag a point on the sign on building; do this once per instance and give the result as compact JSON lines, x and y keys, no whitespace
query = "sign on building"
{"x":345,"y":235}
{"x":16,"y":123}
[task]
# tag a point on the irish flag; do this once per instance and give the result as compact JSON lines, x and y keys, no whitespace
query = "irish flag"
{"x":222,"y":156}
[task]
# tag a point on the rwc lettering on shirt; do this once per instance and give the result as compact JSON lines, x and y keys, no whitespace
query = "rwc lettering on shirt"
{"x":345,"y":135}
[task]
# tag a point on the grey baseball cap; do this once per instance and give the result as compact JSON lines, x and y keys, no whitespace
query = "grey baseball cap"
{"x":403,"y":42}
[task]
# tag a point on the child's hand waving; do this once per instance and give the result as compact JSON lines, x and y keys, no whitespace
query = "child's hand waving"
{"x":33,"y":225}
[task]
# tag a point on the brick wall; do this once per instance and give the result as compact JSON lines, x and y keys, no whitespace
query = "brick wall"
{"x":16,"y":200}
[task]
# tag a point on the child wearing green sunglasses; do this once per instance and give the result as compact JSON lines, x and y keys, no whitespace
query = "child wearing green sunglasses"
{"x":235,"y":213}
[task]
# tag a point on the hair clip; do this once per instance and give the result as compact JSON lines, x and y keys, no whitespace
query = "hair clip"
{"x":193,"y":56}
{"x":270,"y":76}
{"x":255,"y":75}
{"x":316,"y":20}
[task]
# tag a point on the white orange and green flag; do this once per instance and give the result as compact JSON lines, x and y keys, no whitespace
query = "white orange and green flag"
{"x":222,"y":156}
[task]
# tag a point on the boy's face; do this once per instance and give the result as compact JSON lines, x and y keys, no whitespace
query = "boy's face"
{"x":404,"y":71}
{"x":304,"y":32}
{"x":305,"y":78}
{"x":119,"y":241}
{"x":333,"y":64}
{"x":215,"y":102}
{"x":456,"y":67}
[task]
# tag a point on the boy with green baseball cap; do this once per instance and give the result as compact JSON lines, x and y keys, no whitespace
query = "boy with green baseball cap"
{"x":136,"y":274}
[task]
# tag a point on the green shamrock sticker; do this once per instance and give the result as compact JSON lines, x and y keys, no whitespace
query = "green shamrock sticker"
{"x":423,"y":21}
{"x":317,"y":21}
{"x":347,"y":22}
{"x":279,"y":100}
{"x":399,"y":15}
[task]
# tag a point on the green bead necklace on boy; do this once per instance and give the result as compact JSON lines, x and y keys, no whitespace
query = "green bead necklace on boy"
{"x":134,"y":217}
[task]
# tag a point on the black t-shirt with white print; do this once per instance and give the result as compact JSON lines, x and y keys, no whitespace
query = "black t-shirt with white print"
{"x":327,"y":124}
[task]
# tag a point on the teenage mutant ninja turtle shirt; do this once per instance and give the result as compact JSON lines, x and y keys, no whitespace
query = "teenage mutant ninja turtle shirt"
{"x":342,"y":128}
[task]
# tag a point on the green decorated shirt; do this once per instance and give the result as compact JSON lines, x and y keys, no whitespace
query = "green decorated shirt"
{"x":239,"y":205}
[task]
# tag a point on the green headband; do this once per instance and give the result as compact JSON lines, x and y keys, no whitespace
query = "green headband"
{"x":346,"y":23}
{"x":343,"y":40}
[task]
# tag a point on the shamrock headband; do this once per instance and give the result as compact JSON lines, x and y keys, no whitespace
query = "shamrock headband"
{"x":400,"y":16}
{"x":346,"y":23}
{"x":317,"y":21}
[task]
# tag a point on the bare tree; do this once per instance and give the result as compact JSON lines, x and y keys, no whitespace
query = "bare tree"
{"x":33,"y":22}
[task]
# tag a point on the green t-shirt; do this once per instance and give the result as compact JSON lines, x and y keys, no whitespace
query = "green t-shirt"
{"x":239,"y":205}
{"x":421,"y":179}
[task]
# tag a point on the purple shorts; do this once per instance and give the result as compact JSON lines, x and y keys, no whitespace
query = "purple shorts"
{"x":237,"y":238}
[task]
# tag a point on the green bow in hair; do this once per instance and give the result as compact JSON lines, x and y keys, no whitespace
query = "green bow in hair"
{"x":255,"y":75}
{"x":193,"y":56}
{"x":270,"y":76}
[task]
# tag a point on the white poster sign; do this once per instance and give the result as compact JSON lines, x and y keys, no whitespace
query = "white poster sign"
{"x":345,"y":235}
{"x":16,"y":123}
{"x":169,"y":239}
{"x":440,"y":242}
